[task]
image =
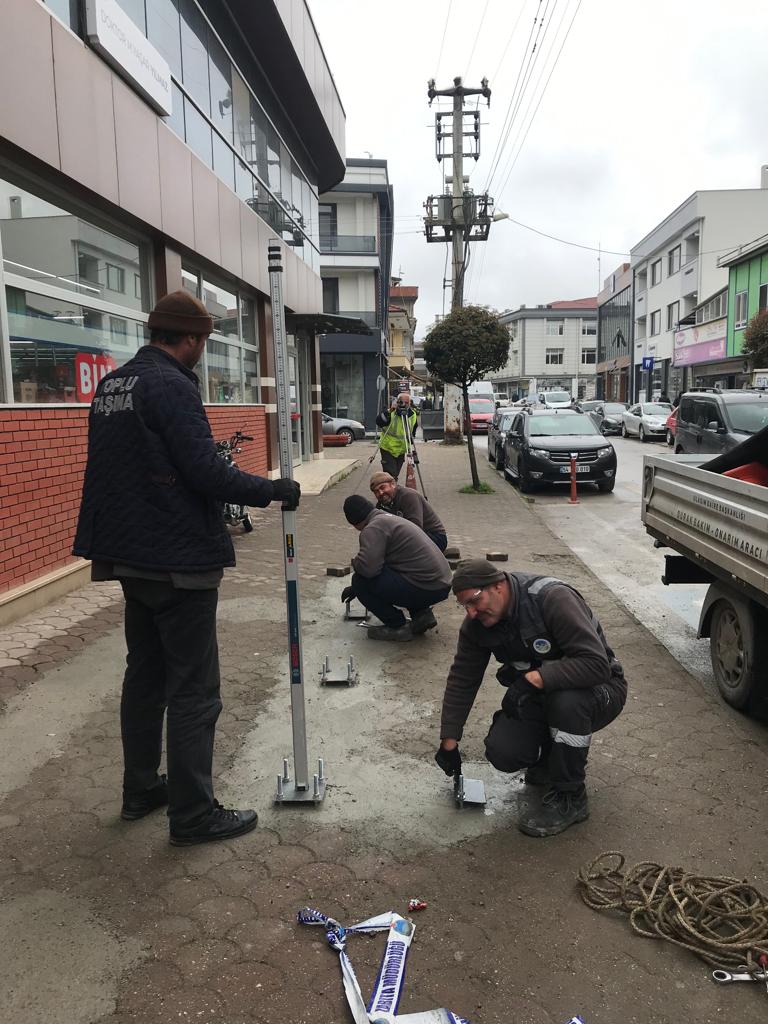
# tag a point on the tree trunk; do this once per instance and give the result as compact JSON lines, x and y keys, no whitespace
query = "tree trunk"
{"x":470,"y":442}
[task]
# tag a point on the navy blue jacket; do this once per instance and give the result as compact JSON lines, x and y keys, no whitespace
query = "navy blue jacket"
{"x":154,"y":483}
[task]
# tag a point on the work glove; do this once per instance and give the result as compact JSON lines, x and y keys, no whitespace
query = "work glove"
{"x":449,"y":760}
{"x":288,"y":492}
{"x":347,"y":594}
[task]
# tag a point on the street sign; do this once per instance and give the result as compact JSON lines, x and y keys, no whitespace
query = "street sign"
{"x":647,"y":362}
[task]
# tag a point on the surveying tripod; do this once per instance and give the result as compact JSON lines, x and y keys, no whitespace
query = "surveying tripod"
{"x":412,"y":458}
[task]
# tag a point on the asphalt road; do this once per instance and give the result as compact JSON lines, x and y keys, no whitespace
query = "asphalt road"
{"x":605,"y":531}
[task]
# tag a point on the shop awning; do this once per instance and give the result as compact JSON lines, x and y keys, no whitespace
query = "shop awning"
{"x":326,"y":323}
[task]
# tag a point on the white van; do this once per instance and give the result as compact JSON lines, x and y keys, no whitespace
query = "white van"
{"x":481,"y":389}
{"x":555,"y":399}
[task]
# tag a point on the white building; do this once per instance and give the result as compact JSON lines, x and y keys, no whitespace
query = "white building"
{"x":675,"y":268}
{"x":554,"y":345}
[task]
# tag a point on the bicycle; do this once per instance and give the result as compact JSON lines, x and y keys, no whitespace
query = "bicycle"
{"x":234,"y":515}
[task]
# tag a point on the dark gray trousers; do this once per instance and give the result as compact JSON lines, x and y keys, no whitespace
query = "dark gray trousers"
{"x":553,"y":729}
{"x":390,"y":463}
{"x":173,"y":666}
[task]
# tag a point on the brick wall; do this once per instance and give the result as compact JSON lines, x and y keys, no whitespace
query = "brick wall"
{"x":42,"y":458}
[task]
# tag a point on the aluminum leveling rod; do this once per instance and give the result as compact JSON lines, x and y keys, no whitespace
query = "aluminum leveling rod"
{"x":301,"y":789}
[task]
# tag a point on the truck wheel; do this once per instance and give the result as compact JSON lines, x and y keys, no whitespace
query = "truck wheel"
{"x":737,"y":650}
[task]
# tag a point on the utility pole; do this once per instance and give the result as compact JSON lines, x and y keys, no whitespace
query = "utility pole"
{"x":462,"y":216}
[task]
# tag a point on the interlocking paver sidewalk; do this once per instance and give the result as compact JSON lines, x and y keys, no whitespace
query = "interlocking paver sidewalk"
{"x":105,"y":922}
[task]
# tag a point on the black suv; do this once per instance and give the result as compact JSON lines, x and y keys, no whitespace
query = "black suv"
{"x":710,"y":421}
{"x":539,"y":444}
{"x":497,"y":432}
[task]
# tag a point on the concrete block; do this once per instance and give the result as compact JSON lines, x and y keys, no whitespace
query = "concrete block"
{"x":338,"y":570}
{"x":497,"y":556}
{"x":452,"y":552}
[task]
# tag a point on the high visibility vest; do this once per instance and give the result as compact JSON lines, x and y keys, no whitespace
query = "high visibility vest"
{"x":393,"y":437}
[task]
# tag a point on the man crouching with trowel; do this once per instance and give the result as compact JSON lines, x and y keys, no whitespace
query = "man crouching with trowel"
{"x":563,"y":684}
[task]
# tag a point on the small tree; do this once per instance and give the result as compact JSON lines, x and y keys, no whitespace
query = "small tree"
{"x":756,"y":339}
{"x":461,"y":349}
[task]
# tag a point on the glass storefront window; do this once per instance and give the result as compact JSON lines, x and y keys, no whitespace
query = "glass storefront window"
{"x":251,"y":375}
{"x":223,"y":368}
{"x":190,"y":281}
{"x":60,"y":350}
{"x":250,"y":334}
{"x":341,"y":383}
{"x":164,"y":32}
{"x":222,"y":305}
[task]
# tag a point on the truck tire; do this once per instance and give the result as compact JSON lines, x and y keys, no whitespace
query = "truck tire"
{"x":737,"y":648}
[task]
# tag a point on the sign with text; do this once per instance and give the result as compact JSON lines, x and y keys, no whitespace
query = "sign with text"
{"x":89,"y":370}
{"x":701,"y":344}
{"x":122,"y":44}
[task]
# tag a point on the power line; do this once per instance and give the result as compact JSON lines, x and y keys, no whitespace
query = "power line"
{"x":477,"y":36}
{"x":509,"y":40}
{"x":442,"y":41}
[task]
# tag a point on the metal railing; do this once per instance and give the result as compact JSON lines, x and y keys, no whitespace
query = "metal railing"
{"x":348,"y":243}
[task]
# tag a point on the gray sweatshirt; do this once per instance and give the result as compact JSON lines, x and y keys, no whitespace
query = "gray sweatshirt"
{"x":388,"y":540}
{"x":416,"y":509}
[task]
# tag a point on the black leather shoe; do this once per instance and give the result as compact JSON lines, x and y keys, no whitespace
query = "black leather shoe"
{"x":556,"y":812}
{"x":141,"y":804}
{"x":222,"y":823}
{"x":398,"y":634}
{"x":422,"y":621}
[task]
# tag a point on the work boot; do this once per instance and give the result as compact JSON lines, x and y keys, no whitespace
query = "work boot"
{"x":222,"y":823}
{"x":139,"y":805}
{"x":398,"y":634}
{"x":554,"y":813}
{"x":422,"y":621}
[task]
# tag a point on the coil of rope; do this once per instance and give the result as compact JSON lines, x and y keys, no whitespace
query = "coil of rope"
{"x":724,"y":921}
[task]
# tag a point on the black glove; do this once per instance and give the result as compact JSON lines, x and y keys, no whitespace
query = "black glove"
{"x":449,"y":760}
{"x":287,"y":491}
{"x":347,"y":594}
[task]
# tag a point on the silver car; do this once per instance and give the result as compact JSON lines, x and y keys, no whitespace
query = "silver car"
{"x":351,"y":429}
{"x":647,"y":420}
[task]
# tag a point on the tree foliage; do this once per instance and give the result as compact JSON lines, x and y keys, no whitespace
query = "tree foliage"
{"x":465,"y":345}
{"x":756,"y":339}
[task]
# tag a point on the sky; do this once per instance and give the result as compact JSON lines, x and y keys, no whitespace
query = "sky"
{"x":620,"y":113}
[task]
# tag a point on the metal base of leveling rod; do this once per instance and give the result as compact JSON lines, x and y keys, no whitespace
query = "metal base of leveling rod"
{"x":352,"y":676}
{"x":288,"y":792}
{"x":469,"y":791}
{"x":350,"y":616}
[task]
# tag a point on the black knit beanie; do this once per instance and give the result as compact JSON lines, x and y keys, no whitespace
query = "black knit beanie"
{"x":357,"y":508}
{"x":181,"y":313}
{"x":475,"y":572}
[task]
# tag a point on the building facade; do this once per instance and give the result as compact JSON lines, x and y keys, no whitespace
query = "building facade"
{"x":402,"y":332}
{"x":356,"y":220}
{"x":160,"y":144}
{"x":747,"y":294}
{"x":674,"y":268}
{"x":614,"y":334}
{"x":551,"y":346}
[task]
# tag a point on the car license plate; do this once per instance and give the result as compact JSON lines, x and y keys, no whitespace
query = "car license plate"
{"x":579,"y":469}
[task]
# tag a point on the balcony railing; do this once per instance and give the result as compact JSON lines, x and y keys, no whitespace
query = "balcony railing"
{"x":348,"y":243}
{"x":367,"y":315}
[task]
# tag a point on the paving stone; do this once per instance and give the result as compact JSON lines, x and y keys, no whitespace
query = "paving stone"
{"x":203,"y":960}
{"x":184,"y":894}
{"x":218,"y":914}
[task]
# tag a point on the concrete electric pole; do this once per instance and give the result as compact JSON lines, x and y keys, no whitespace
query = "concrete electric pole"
{"x":457,"y":216}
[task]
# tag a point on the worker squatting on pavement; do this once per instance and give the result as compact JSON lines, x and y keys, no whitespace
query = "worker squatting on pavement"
{"x":397,"y":567}
{"x":151,"y":518}
{"x":398,"y":423}
{"x":408,"y":503}
{"x":563,"y":683}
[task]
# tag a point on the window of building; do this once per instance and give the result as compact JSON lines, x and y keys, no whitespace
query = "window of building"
{"x":588,"y":356}
{"x":716,"y":308}
{"x":341,"y":380}
{"x":740,"y":312}
{"x":655,"y":322}
{"x":554,"y":356}
{"x":673,"y":315}
{"x":655,"y":272}
{"x":198,"y":133}
{"x":220,"y":75}
{"x":67,"y":11}
{"x":223,"y":160}
{"x":555,"y":328}
{"x":135,"y":11}
{"x":164,"y":31}
{"x":763,"y":299}
{"x":115,"y":278}
{"x":673,"y":261}
{"x":330,"y":295}
{"x":194,"y":54}
{"x":589,"y":328}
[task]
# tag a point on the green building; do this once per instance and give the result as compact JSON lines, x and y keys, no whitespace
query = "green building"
{"x":747,"y":288}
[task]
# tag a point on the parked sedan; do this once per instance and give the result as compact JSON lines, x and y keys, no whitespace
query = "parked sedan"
{"x":351,"y":429}
{"x":647,"y":420}
{"x":539,"y":445}
{"x":608,"y":416}
{"x":497,"y":433}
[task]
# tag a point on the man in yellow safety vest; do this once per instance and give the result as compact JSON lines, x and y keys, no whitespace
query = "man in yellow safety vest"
{"x":398,"y":425}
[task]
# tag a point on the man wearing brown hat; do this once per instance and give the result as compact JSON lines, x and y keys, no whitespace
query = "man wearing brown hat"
{"x":151,"y":517}
{"x":410,"y":505}
{"x":563,"y":683}
{"x":396,"y":567}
